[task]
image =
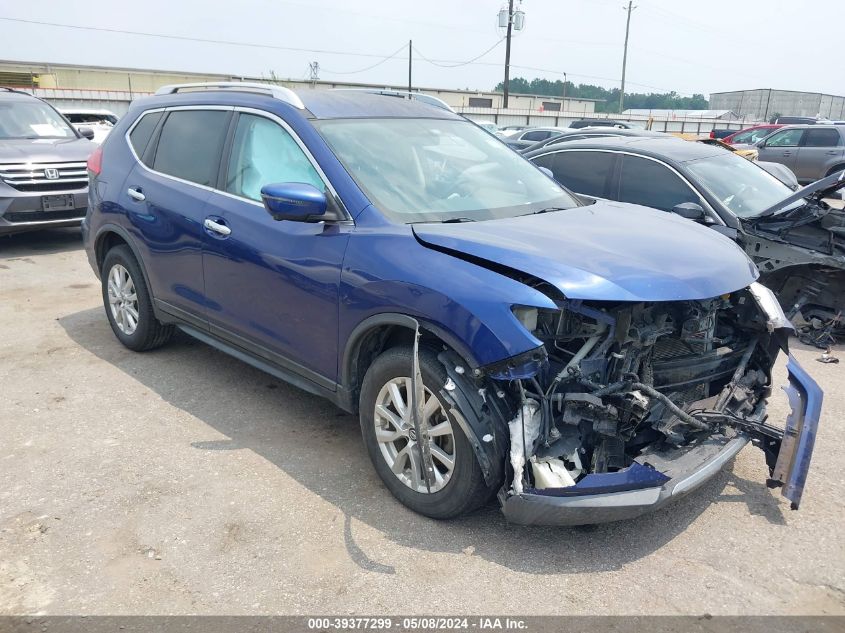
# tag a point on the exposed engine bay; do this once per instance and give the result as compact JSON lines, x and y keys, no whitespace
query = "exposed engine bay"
{"x":625,"y":379}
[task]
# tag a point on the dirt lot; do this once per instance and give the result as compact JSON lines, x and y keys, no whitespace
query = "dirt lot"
{"x":183,"y":481}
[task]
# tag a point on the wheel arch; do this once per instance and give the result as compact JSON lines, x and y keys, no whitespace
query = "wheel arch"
{"x":381,"y":332}
{"x":111,"y":235}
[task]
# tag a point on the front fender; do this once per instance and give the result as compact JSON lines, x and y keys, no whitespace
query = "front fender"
{"x":392,"y":273}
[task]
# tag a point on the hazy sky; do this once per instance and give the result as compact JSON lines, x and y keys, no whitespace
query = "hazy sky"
{"x":678,"y":45}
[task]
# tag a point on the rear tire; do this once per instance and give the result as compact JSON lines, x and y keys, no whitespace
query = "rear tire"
{"x":128,"y":302}
{"x":834,"y":170}
{"x":464,"y":489}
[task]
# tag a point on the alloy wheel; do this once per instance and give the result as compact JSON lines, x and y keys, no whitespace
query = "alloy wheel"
{"x":397,"y":438}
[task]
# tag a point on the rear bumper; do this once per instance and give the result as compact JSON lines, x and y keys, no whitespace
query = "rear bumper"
{"x":602,"y":507}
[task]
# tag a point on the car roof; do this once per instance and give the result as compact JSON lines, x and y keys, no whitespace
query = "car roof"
{"x":671,"y":148}
{"x":314,"y":104}
{"x":85,"y":111}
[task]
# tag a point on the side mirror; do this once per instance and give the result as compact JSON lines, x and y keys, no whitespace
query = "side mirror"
{"x":87,"y":132}
{"x":294,"y":201}
{"x":690,"y":211}
{"x":547,"y":171}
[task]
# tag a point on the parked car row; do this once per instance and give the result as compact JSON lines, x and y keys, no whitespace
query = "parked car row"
{"x":579,"y":358}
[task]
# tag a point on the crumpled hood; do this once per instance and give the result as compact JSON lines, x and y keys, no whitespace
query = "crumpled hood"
{"x":45,"y":150}
{"x":607,"y":251}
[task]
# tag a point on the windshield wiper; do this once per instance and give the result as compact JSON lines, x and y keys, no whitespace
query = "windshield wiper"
{"x":548,"y":210}
{"x":457,"y":220}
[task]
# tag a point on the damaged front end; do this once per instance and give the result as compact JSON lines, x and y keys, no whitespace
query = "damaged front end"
{"x":629,"y":405}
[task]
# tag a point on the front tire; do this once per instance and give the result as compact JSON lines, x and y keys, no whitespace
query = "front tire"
{"x":128,"y":303}
{"x":390,"y":438}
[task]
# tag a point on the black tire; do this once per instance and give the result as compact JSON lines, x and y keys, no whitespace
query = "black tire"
{"x":834,"y":170}
{"x":466,"y":490}
{"x":149,"y":332}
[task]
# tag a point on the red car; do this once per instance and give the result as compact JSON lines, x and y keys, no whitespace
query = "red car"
{"x":751,"y":134}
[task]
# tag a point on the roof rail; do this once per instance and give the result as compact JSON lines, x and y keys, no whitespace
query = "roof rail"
{"x":418,"y":96}
{"x":277,"y":92}
{"x":17,"y":90}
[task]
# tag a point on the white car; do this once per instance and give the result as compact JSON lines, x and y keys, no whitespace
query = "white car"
{"x":101,"y":121}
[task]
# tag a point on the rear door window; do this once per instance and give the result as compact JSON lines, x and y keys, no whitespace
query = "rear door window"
{"x":536,"y":135}
{"x":584,"y":172}
{"x":821,"y":138}
{"x":652,"y":184}
{"x":190,"y":143}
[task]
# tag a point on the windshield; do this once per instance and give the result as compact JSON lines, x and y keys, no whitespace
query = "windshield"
{"x":434,"y":170}
{"x":740,"y":185}
{"x":32,"y":119}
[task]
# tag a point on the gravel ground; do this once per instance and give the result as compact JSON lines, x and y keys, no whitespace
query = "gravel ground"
{"x":182,"y":481}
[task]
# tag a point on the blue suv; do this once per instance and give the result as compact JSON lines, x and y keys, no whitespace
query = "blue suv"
{"x":497,"y":334}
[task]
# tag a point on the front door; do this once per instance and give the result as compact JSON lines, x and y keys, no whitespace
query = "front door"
{"x":781,"y":147}
{"x":271,"y":286}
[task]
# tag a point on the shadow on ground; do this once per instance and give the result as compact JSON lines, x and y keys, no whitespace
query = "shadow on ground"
{"x":43,"y":242}
{"x":320,"y":446}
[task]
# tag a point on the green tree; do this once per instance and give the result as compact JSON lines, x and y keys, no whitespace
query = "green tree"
{"x":608,"y":99}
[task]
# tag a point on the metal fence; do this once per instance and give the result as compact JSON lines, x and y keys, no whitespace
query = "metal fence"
{"x":664,"y":123}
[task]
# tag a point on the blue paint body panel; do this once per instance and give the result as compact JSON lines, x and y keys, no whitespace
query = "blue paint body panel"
{"x":805,"y":397}
{"x":597,"y":253}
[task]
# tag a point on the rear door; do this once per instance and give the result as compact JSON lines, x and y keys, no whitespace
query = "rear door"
{"x":165,"y":196}
{"x":782,"y":147}
{"x":582,"y":171}
{"x":821,"y":148}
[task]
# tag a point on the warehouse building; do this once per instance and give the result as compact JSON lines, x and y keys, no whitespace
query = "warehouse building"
{"x":68,"y":86}
{"x":765,"y":103}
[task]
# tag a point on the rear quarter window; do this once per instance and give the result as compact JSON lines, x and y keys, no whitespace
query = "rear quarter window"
{"x":141,"y":134}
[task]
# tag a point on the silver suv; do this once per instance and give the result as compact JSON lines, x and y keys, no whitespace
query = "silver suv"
{"x":811,"y":151}
{"x":43,"y":176}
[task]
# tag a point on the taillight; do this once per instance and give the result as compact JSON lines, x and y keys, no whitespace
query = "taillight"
{"x":95,"y":161}
{"x":712,"y":133}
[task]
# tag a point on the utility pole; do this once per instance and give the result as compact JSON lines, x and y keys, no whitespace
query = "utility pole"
{"x":410,"y":62}
{"x":629,"y":9}
{"x":508,"y":53}
{"x":563,"y":105}
{"x":511,"y":21}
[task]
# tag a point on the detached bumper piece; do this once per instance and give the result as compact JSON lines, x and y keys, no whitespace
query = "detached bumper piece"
{"x":796,"y":450}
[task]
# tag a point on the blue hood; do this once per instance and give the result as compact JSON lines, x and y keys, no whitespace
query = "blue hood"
{"x":607,"y":251}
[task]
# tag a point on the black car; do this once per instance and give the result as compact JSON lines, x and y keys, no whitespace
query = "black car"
{"x":795,"y":238}
{"x":592,"y":133}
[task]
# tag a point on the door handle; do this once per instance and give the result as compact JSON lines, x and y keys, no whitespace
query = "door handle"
{"x":787,"y":154}
{"x":832,"y":152}
{"x":135,"y":194}
{"x":216,"y":227}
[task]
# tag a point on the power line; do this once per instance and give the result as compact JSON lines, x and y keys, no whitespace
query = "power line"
{"x":444,"y":63}
{"x":370,"y":67}
{"x":457,"y":64}
{"x":191,"y":39}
